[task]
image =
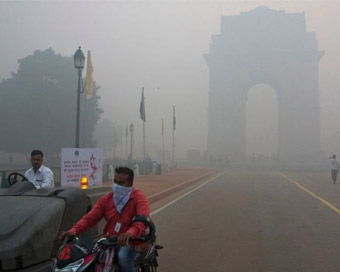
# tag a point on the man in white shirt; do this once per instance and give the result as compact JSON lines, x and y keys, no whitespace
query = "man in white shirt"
{"x":335,"y":168}
{"x":40,"y":175}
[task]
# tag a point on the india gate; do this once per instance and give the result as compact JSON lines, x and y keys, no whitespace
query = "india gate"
{"x":264,"y":46}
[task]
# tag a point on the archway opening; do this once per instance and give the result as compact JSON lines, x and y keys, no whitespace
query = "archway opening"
{"x":262,"y":122}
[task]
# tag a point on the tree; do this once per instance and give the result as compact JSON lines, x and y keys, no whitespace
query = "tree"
{"x":38,"y":105}
{"x":109,"y":137}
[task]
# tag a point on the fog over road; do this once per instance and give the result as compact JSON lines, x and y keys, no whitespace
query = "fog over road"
{"x":253,"y":220}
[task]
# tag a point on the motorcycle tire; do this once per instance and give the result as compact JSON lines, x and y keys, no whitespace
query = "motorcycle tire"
{"x":146,"y":268}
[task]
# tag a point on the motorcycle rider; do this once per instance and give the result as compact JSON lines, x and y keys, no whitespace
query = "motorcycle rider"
{"x":118,"y":208}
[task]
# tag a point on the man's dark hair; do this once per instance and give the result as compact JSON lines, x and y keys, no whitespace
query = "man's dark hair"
{"x":126,"y":171}
{"x":37,"y":152}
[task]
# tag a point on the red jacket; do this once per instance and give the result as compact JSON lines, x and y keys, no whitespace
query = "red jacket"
{"x":137,"y":205}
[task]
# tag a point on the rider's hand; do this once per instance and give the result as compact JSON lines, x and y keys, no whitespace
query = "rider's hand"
{"x":123,"y":239}
{"x":64,"y":234}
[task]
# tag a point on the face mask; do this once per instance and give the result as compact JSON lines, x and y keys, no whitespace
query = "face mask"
{"x":121,"y":195}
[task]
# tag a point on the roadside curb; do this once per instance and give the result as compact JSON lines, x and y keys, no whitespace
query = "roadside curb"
{"x":155,"y":197}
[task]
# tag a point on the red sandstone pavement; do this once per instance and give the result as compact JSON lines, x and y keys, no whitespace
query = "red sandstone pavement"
{"x":158,"y":186}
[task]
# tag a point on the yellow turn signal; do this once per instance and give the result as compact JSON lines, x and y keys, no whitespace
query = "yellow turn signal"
{"x":84,"y":182}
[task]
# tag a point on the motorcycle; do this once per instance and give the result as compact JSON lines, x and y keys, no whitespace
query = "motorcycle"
{"x":103,"y":257}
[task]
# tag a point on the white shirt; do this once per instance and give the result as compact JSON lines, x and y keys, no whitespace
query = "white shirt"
{"x":335,"y":164}
{"x":110,"y":174}
{"x":43,"y":178}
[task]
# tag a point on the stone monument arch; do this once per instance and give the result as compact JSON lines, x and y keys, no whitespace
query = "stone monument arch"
{"x":264,"y":46}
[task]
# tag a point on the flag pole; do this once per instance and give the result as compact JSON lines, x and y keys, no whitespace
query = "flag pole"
{"x":126,"y":148}
{"x":142,"y":116}
{"x":173,"y":137}
{"x":113,"y":146}
{"x":162,"y":142}
{"x":173,"y":148}
{"x":144,"y":130}
{"x":131,"y":132}
{"x":126,"y":141}
{"x":144,"y":144}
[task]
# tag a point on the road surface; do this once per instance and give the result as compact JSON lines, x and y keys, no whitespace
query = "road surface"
{"x":252,"y":220}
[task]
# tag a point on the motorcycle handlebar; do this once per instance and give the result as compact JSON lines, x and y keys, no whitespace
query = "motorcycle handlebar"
{"x":111,"y":241}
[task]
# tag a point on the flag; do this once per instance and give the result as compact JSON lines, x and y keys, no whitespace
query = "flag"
{"x":142,"y":107}
{"x":162,"y":127}
{"x":89,"y":79}
{"x":126,"y":130}
{"x":174,"y":121}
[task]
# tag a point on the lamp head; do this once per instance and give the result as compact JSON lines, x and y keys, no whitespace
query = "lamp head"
{"x":79,"y":59}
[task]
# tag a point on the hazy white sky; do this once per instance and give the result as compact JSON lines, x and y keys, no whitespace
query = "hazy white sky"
{"x":158,"y":45}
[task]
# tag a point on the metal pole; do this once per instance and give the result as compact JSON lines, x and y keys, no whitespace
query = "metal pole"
{"x":144,"y":144}
{"x":173,"y":147}
{"x":131,"y":142}
{"x":78,"y":108}
{"x":126,"y":148}
{"x":163,"y":150}
{"x":114,"y":148}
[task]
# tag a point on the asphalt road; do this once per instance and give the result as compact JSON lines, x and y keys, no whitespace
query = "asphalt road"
{"x":252,"y":220}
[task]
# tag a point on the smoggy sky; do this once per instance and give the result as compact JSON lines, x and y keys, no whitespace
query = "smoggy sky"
{"x":158,"y":45}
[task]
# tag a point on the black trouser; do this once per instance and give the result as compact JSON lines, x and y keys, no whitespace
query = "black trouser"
{"x":334,"y":175}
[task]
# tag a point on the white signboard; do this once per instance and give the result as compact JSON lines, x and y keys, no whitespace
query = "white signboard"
{"x":79,"y":162}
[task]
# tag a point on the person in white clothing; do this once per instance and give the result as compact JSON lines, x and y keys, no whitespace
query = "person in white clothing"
{"x":334,"y":168}
{"x":110,"y":173}
{"x":40,"y":175}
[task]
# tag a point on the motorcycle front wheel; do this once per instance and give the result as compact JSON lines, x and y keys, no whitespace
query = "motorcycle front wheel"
{"x":146,"y":268}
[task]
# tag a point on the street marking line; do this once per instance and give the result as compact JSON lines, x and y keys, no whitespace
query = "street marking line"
{"x":181,"y":184}
{"x":184,"y":195}
{"x":311,"y":193}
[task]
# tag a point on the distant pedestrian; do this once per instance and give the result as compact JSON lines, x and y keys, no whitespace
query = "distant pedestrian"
{"x":136,"y":169}
{"x":40,"y":175}
{"x":154,"y":167}
{"x":110,"y":173}
{"x":335,"y":168}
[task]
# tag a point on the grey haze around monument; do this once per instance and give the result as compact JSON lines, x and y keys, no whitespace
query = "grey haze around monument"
{"x":159,"y":45}
{"x":270,"y":47}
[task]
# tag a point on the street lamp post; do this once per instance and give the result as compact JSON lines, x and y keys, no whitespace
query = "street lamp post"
{"x":79,"y":60}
